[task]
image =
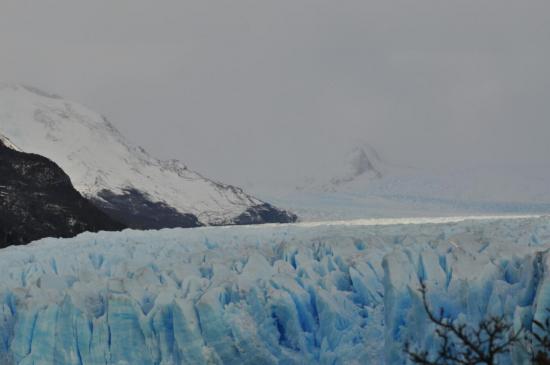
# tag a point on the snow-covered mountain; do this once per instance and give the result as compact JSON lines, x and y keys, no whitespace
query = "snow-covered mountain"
{"x":5,"y":141}
{"x":37,"y":200}
{"x":123,"y":180}
{"x":365,"y":184}
{"x":362,"y":162}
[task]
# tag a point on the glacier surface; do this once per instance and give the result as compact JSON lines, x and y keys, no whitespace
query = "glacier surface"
{"x":288,"y":294}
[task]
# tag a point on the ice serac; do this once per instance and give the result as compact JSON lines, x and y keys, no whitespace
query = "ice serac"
{"x":122,"y":180}
{"x":297,"y":294}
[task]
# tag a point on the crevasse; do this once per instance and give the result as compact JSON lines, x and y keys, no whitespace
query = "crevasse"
{"x":327,"y":294}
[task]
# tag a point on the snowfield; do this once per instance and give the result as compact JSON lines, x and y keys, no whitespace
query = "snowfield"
{"x":331,"y":293}
{"x":362,"y":184}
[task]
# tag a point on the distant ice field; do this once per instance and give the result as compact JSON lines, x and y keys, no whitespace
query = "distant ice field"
{"x":308,"y":293}
{"x":411,"y":220}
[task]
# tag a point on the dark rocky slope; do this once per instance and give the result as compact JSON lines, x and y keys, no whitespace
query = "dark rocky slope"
{"x":265,"y":213}
{"x":137,"y":211}
{"x":37,"y":200}
{"x":121,"y":179}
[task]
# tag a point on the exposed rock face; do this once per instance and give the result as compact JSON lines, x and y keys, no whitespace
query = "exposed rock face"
{"x":37,"y":200}
{"x":265,"y":213}
{"x":360,"y":165}
{"x":361,"y":161}
{"x":137,"y":211}
{"x":121,"y":179}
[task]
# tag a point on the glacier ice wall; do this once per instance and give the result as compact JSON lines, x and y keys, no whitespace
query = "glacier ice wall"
{"x":330,"y":294}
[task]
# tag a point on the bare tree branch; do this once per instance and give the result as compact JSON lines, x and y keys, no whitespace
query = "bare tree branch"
{"x":464,"y":344}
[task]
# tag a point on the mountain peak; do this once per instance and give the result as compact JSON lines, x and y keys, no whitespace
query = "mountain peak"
{"x":112,"y":172}
{"x":362,"y":161}
{"x":29,"y":89}
{"x":4,"y":141}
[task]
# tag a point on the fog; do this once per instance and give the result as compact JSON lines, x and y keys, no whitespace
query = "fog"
{"x":252,"y":91}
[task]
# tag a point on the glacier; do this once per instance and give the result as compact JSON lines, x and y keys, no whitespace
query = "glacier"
{"x":331,"y":293}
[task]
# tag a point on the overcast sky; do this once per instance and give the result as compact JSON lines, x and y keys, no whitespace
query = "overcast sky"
{"x":241,"y":90}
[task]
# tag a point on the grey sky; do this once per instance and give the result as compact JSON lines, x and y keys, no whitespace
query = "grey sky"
{"x":252,"y":89}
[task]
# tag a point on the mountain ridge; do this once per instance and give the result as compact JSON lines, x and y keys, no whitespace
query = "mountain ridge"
{"x":37,"y":200}
{"x":361,"y":161}
{"x":109,"y":170}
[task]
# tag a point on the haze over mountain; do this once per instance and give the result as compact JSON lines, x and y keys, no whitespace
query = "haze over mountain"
{"x":122,"y":180}
{"x":366,"y":184}
{"x":360,"y":162}
{"x":432,"y":116}
{"x":269,"y":88}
